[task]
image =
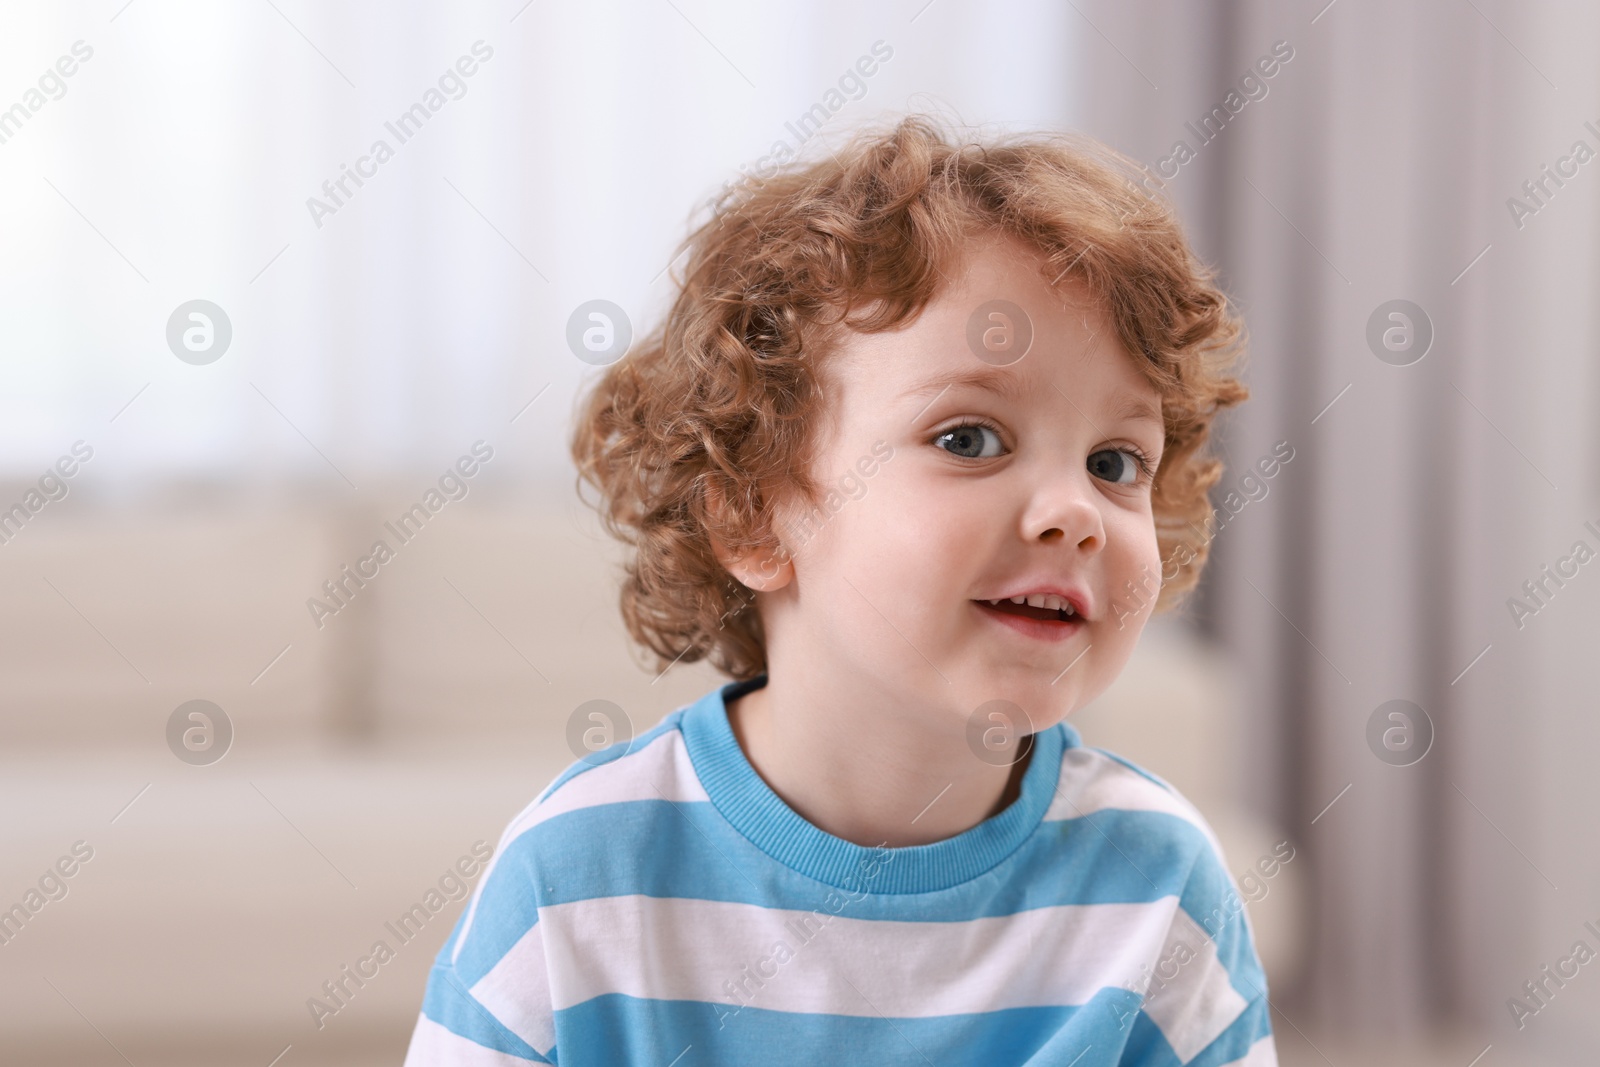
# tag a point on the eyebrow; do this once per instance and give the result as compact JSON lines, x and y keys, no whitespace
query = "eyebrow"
{"x":1138,"y":408}
{"x":1007,"y":387}
{"x":1001,"y":385}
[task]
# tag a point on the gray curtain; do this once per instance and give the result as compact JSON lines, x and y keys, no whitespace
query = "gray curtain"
{"x":1382,"y":562}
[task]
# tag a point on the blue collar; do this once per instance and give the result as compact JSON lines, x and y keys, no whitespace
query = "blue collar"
{"x":739,"y":793}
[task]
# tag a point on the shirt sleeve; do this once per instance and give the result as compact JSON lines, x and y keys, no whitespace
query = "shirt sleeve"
{"x":1206,"y":994}
{"x":488,"y":996}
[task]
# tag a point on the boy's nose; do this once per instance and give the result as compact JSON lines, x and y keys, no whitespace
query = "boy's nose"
{"x":1055,"y":534}
{"x":1064,"y":513}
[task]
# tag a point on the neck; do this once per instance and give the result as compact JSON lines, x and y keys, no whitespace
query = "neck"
{"x":866,"y":769}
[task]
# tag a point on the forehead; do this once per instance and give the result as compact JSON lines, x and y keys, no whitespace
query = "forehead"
{"x":1074,"y":352}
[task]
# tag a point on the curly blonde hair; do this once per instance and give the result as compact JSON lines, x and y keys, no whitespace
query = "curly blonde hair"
{"x":705,"y":423}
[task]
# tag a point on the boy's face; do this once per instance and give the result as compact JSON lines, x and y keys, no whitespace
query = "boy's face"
{"x":1013,"y":480}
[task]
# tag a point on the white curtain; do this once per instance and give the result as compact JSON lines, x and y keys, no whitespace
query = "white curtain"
{"x":424,"y":311}
{"x":1379,"y":563}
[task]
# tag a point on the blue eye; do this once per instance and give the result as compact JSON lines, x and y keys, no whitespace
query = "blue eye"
{"x":1125,"y":468}
{"x":972,"y":441}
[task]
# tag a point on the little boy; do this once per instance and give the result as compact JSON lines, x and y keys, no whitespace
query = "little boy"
{"x":866,"y":469}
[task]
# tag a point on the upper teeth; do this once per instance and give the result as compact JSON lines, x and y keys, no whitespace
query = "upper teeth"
{"x":1040,"y":600}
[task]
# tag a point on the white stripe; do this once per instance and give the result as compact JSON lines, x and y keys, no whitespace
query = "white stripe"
{"x":684,"y":949}
{"x":660,"y":769}
{"x":517,"y":991}
{"x":1092,"y":781}
{"x":1262,"y":1054}
{"x":434,"y":1046}
{"x":1190,"y":997}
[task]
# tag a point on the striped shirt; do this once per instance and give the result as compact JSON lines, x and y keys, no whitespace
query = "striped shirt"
{"x":659,"y":904}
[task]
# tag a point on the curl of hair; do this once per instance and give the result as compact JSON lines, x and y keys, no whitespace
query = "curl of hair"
{"x":705,"y":423}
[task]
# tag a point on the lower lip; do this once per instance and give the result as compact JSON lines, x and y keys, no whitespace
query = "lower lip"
{"x":1040,"y":629}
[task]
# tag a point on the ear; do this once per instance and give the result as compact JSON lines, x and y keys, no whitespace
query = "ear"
{"x":764,"y":570}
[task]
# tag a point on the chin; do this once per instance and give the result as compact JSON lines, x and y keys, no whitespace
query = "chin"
{"x":1043,"y":704}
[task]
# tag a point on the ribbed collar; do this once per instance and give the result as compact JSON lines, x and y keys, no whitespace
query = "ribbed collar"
{"x":758,"y":813}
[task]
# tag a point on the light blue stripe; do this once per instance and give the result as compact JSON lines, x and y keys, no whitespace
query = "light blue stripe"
{"x":614,"y":1030}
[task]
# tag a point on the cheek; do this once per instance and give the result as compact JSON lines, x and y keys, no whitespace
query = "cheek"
{"x":881,"y":539}
{"x":1134,"y":563}
{"x":1148,"y":548}
{"x":1134,"y":532}
{"x":907,"y":545}
{"x":936,"y":528}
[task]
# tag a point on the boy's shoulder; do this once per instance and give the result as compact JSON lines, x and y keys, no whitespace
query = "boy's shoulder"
{"x":652,"y":766}
{"x":1116,"y":795}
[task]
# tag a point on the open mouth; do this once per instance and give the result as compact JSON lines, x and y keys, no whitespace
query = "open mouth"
{"x":1028,"y":611}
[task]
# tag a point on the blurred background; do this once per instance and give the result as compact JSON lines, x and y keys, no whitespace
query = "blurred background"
{"x":226,"y":364}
